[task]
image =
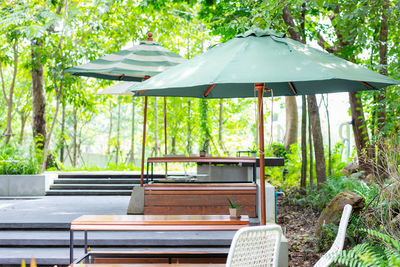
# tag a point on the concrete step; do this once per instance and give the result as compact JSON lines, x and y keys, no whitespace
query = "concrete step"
{"x":60,"y":192}
{"x":24,"y":238}
{"x":92,"y":186}
{"x":97,"y":181}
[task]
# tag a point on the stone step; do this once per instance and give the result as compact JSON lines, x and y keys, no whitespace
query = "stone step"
{"x":92,"y":186}
{"x":60,"y":256}
{"x":60,"y":192}
{"x":97,"y":181}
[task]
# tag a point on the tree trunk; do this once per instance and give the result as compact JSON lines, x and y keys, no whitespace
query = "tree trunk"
{"x":303,"y":181}
{"x":189,"y":129}
{"x":310,"y":145}
{"x":221,"y":126}
{"x":117,"y":148}
{"x":110,"y":130}
{"x":24,"y":117}
{"x":290,"y":101}
{"x":9,"y":99}
{"x":156,"y":145}
{"x":74,"y":140}
{"x":291,"y":122}
{"x":38,"y":96}
{"x":132,"y":152}
{"x":329,"y":134}
{"x":205,"y":137}
{"x":173,"y":145}
{"x":382,"y":166}
{"x":317,"y":138}
{"x":62,"y":139}
{"x":360,"y":132}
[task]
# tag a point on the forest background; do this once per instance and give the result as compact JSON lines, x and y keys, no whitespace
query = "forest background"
{"x":62,"y":115}
{"x":51,"y":119}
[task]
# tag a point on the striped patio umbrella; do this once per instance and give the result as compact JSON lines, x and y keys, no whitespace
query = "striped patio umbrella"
{"x":135,"y":64}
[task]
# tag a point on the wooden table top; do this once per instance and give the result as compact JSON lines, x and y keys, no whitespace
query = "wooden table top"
{"x":150,"y":265}
{"x":159,"y":222}
{"x":202,"y":159}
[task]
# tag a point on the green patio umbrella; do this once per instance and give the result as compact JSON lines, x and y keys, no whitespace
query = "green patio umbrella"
{"x":134,"y":64}
{"x":259,"y":63}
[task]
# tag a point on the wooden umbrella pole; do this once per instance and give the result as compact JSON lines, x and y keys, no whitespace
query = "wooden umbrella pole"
{"x":165,"y":134}
{"x":260,"y":88}
{"x":144,"y":141}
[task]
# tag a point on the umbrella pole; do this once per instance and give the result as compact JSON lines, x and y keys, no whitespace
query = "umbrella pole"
{"x":144,"y":140}
{"x":260,"y":88}
{"x":165,"y":135}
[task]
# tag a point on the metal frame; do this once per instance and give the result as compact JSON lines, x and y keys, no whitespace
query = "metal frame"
{"x":90,"y":256}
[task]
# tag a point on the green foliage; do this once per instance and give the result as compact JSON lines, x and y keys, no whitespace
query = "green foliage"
{"x":17,"y":160}
{"x":319,"y":198}
{"x":379,"y":249}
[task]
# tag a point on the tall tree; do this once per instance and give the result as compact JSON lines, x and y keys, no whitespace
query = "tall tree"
{"x":317,"y":139}
{"x":38,"y":95}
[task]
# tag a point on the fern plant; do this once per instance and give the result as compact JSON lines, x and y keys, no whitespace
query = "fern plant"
{"x":380,"y":250}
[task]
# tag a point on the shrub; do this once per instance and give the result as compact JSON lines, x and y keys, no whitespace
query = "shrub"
{"x":16,"y":160}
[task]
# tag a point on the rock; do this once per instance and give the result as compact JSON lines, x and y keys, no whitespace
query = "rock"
{"x":350,"y":168}
{"x":333,"y":211}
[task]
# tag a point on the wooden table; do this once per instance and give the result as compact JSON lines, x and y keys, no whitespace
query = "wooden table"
{"x":153,"y":223}
{"x":244,"y":161}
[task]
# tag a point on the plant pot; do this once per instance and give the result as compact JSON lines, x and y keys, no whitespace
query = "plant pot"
{"x":202,"y":153}
{"x":234,"y":213}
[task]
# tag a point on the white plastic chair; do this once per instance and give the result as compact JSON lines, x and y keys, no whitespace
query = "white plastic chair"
{"x":337,"y":245}
{"x":255,"y":247}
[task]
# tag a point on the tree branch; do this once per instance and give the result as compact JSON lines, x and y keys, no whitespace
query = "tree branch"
{"x":287,"y":17}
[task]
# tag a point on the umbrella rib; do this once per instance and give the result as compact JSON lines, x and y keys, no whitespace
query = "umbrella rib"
{"x":209,"y":90}
{"x":367,"y":84}
{"x":293,"y":88}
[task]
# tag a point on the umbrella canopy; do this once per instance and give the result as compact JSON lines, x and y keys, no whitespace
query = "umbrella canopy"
{"x":121,"y":88}
{"x":146,"y":59}
{"x":286,"y":66}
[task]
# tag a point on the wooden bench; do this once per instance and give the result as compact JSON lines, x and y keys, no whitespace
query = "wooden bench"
{"x":198,"y":199}
{"x":153,"y":223}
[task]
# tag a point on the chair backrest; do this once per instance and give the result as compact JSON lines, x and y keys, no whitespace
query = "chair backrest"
{"x":337,"y":245}
{"x":255,"y":246}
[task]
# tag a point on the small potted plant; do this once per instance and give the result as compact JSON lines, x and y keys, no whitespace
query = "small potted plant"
{"x":202,"y":153}
{"x":234,"y":209}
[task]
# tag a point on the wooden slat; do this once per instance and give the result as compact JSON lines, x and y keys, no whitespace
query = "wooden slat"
{"x":244,"y":185}
{"x":203,"y":192}
{"x":198,"y":200}
{"x":210,"y":227}
{"x":157,"y":220}
{"x":203,"y":210}
{"x":130,"y":260}
{"x":198,"y":188}
{"x":158,"y":252}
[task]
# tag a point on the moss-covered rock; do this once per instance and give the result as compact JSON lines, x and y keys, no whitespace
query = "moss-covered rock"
{"x":333,"y":211}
